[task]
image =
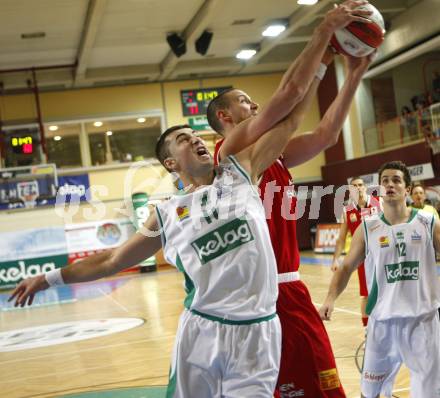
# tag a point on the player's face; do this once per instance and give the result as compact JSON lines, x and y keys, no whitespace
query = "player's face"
{"x":393,"y":185}
{"x":189,"y":153}
{"x":241,"y":107}
{"x":359,"y":188}
{"x":418,"y":196}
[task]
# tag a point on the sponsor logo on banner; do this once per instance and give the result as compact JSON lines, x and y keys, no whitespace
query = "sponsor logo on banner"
{"x":384,"y":241}
{"x":326,"y":237}
{"x":182,"y":212}
{"x":12,"y":272}
{"x":222,"y":240}
{"x":74,"y":186}
{"x":108,"y":233}
{"x":404,"y":271}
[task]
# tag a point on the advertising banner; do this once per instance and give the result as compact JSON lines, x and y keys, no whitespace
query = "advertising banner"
{"x":326,"y":237}
{"x":89,"y":238}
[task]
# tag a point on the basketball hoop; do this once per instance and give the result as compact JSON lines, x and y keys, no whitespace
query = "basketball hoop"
{"x":29,"y":201}
{"x":28,"y":192}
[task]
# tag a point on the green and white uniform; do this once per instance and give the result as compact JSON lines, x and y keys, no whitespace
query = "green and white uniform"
{"x":228,"y":341}
{"x":404,"y":294}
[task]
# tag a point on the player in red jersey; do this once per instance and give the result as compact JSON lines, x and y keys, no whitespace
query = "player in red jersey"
{"x":308,"y":367}
{"x":360,"y":205}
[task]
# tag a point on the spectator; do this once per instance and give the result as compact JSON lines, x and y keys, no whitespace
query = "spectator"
{"x":409,"y":122}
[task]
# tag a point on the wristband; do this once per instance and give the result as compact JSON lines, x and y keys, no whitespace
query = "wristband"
{"x":321,"y":71}
{"x":54,"y":277}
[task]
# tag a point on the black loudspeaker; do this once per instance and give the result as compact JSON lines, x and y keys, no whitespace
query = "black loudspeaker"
{"x":177,"y":44}
{"x":203,"y":42}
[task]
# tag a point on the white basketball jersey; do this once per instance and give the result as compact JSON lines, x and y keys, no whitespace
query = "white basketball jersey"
{"x":400,"y":267}
{"x":218,"y":237}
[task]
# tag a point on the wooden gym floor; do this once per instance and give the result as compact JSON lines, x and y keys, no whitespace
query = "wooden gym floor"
{"x":140,"y":356}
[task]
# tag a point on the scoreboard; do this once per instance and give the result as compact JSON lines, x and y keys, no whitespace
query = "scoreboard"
{"x":23,"y":145}
{"x":195,"y":102}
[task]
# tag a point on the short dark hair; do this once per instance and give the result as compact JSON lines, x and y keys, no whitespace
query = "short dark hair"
{"x":356,"y":178}
{"x":162,"y":146}
{"x":417,"y":185}
{"x":219,"y":102}
{"x":396,"y":165}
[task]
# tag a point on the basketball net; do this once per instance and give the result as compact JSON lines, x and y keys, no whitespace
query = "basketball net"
{"x":28,"y":192}
{"x":29,"y":201}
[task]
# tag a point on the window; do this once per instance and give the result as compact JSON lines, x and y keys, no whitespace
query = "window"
{"x":62,"y":144}
{"x":123,"y":140}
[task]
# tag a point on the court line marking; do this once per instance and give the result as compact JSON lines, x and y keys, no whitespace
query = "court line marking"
{"x":90,"y":349}
{"x":114,"y":300}
{"x":339,"y":309}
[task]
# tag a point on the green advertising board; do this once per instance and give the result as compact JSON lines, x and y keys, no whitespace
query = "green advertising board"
{"x":141,"y":213}
{"x":12,"y":272}
{"x":199,"y":123}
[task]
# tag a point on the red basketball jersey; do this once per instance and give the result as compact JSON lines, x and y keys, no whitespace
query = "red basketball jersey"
{"x":279,"y":199}
{"x":355,"y":214}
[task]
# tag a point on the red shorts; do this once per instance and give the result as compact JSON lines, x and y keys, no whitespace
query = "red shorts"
{"x":363,"y":291}
{"x":308,"y":367}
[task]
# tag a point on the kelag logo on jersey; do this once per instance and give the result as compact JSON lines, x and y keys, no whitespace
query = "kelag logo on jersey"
{"x":223,"y":239}
{"x":404,"y":271}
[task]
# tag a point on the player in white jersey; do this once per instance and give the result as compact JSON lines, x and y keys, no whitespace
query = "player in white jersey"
{"x":404,"y":290}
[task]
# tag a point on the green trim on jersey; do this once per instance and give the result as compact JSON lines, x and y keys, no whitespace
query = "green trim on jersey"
{"x":190,"y":289}
{"x":432,"y":227}
{"x":372,"y":296}
{"x":231,"y":322}
{"x":240,"y":169}
{"x":411,"y":217}
{"x":162,"y":232}
{"x":172,"y":382}
{"x":366,"y":237}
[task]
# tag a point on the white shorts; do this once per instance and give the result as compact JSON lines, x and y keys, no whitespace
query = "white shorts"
{"x":412,"y":341}
{"x":212,"y":359}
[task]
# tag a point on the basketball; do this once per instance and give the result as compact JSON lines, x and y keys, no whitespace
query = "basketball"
{"x":359,"y":39}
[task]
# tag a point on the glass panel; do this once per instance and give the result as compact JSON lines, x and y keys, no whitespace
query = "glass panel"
{"x":63,"y":146}
{"x":124,"y":140}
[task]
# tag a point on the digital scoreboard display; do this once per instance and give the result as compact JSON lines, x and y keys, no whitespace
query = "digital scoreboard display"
{"x":195,"y":102}
{"x":23,"y":145}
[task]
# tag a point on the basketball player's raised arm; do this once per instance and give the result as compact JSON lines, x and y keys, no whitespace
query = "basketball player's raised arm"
{"x":304,"y":147}
{"x":342,"y":275}
{"x":132,"y":252}
{"x":296,"y":81}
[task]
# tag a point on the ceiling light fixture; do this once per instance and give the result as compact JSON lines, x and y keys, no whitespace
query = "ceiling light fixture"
{"x":307,"y":2}
{"x":247,"y":52}
{"x":274,"y":30}
{"x":53,"y":128}
{"x":98,"y":124}
{"x":141,"y":120}
{"x":57,"y":138}
{"x":109,"y":132}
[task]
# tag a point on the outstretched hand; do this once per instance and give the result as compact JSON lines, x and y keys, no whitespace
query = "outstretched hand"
{"x":25,"y":291}
{"x":344,"y":14}
{"x":326,"y":310}
{"x":359,"y":64}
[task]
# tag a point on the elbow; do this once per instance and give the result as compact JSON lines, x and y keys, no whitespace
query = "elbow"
{"x":294,"y":93}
